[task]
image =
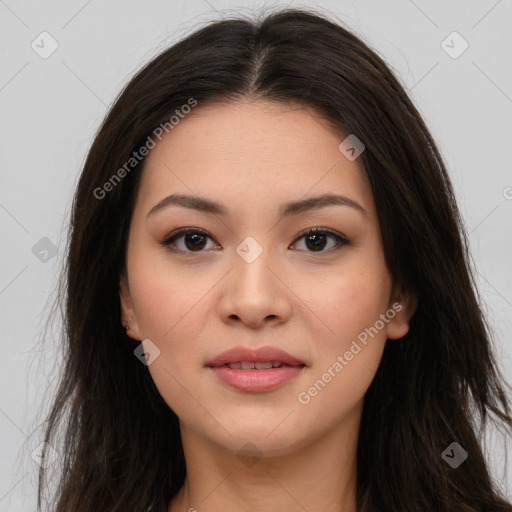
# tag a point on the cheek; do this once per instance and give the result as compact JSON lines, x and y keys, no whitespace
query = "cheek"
{"x":168,"y":301}
{"x":346,"y":302}
{"x":347,"y":357}
{"x":349,"y":339}
{"x":171,"y":312}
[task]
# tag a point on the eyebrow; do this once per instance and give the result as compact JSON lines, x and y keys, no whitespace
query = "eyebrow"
{"x":205,"y":205}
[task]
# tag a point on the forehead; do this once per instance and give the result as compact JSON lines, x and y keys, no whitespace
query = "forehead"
{"x":252,"y":152}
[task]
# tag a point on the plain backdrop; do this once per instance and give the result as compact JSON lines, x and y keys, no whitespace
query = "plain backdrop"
{"x":52,"y":105}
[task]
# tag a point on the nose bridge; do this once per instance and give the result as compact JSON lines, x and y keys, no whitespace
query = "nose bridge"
{"x":252,"y":261}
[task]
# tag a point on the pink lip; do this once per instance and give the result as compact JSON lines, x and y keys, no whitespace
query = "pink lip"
{"x":255,"y":380}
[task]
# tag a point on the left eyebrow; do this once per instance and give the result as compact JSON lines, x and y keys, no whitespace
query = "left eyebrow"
{"x":205,"y":205}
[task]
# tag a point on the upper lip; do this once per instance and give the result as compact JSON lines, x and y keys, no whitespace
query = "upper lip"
{"x":259,"y":354}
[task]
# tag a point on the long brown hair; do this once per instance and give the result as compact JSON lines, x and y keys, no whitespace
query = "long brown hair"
{"x":440,"y":384}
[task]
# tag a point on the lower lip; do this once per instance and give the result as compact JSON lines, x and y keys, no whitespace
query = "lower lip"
{"x":257,"y":380}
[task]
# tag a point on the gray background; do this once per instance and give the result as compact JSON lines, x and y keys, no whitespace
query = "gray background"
{"x":52,"y":107}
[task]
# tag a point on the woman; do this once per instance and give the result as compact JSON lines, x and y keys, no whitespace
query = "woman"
{"x":269,"y":302}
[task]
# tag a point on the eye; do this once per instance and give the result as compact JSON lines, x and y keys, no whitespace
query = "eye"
{"x":315,"y":239}
{"x":195,"y":239}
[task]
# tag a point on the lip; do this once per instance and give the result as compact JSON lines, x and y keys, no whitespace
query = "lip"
{"x":259,"y":354}
{"x":255,"y":381}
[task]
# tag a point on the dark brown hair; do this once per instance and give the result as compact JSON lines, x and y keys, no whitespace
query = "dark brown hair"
{"x":121,"y":448}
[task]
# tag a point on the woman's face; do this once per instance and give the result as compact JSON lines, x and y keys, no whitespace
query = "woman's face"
{"x":248,"y":277}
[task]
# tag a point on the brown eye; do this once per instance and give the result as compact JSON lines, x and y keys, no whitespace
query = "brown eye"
{"x":316,"y":239}
{"x":194,"y":240}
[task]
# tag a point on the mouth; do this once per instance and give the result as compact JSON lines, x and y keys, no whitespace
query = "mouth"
{"x":255,"y":370}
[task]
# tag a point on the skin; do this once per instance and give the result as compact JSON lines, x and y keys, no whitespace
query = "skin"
{"x":252,"y":156}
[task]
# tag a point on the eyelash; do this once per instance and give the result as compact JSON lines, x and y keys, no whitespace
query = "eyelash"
{"x":167,"y":241}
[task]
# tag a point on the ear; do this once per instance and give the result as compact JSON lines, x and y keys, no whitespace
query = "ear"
{"x":401,"y":309}
{"x":128,"y":316}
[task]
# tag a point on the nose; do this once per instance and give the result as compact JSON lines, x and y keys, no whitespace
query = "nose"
{"x":255,"y":294}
